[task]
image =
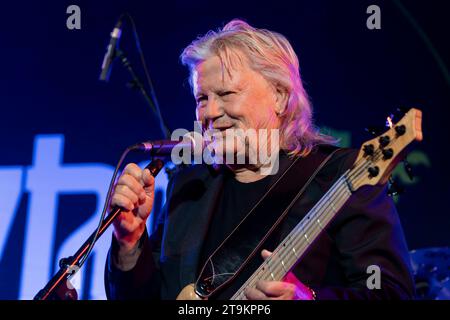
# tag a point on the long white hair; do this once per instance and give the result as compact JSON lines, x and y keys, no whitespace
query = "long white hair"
{"x":270,"y":54}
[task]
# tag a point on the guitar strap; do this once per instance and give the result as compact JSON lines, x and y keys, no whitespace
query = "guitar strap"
{"x":245,"y":240}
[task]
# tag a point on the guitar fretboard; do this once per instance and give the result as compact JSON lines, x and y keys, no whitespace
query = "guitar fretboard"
{"x":292,"y":248}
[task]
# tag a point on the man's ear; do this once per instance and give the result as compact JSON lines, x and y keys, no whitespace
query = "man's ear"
{"x":282,"y":97}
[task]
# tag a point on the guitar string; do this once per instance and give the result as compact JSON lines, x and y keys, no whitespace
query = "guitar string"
{"x":297,"y":235}
{"x":280,"y":270}
{"x":282,"y":254}
{"x":289,"y":239}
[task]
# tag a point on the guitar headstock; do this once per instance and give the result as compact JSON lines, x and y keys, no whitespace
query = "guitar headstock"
{"x":378,"y":157}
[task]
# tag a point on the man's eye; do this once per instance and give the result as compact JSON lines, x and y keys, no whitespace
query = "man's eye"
{"x":201,"y":98}
{"x":226,"y":93}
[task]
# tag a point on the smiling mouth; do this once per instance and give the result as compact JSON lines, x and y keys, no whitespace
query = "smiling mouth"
{"x":222,"y":129}
{"x":220,"y":132}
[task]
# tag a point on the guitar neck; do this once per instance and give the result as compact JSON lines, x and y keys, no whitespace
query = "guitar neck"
{"x":375,"y":162}
{"x":293,"y":247}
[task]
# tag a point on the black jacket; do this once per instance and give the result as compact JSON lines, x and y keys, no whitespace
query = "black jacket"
{"x":365,"y":232}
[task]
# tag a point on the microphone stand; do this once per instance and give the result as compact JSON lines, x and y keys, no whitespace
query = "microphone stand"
{"x":58,"y":287}
{"x":137,"y":83}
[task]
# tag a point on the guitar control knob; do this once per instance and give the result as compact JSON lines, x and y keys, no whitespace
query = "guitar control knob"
{"x":388,"y":153}
{"x":374,"y":171}
{"x":384,"y":141}
{"x":400,"y":130}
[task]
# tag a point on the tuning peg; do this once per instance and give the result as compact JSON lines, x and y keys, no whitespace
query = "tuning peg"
{"x":368,"y":149}
{"x":373,"y":171}
{"x":400,"y":130}
{"x":384,"y":141}
{"x":387,"y":153}
{"x":394,"y":188}
{"x":408,"y":169}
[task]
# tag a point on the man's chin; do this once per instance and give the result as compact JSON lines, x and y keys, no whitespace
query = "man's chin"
{"x":234,"y":157}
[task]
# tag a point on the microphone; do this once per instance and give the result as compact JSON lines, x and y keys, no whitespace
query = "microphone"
{"x":111,"y":51}
{"x":165,"y":147}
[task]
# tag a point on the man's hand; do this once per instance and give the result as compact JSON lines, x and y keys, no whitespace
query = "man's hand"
{"x":134,"y":192}
{"x":289,"y":289}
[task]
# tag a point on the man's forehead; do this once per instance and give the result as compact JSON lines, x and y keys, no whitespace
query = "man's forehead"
{"x":211,"y":67}
{"x":215,"y":73}
{"x":212,"y":64}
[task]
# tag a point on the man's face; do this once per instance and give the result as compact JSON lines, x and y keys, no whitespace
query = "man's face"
{"x":238,"y":98}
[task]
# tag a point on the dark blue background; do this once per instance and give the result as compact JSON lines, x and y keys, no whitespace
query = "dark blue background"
{"x":354,"y":76}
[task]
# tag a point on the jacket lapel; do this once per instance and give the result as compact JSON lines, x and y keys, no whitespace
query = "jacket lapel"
{"x":188,"y":222}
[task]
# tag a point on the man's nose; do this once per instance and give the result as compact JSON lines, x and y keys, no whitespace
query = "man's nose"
{"x":213,"y":110}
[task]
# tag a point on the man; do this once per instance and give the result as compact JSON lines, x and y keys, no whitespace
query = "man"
{"x":248,"y":78}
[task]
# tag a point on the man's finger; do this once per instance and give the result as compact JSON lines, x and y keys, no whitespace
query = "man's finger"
{"x":265,"y":254}
{"x":254,"y":294}
{"x":133,"y":170}
{"x":275,"y":288}
{"x":127,"y":192}
{"x":133,"y":184}
{"x":147,"y":179}
{"x":122,"y":201}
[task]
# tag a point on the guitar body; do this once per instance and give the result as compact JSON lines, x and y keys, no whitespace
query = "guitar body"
{"x":188,"y":293}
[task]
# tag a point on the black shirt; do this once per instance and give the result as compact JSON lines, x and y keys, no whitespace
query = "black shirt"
{"x":237,"y":199}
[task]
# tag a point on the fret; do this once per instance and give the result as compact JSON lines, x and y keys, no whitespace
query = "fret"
{"x":301,"y":237}
{"x":320,"y":224}
{"x":306,"y":238}
{"x":333,"y":207}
